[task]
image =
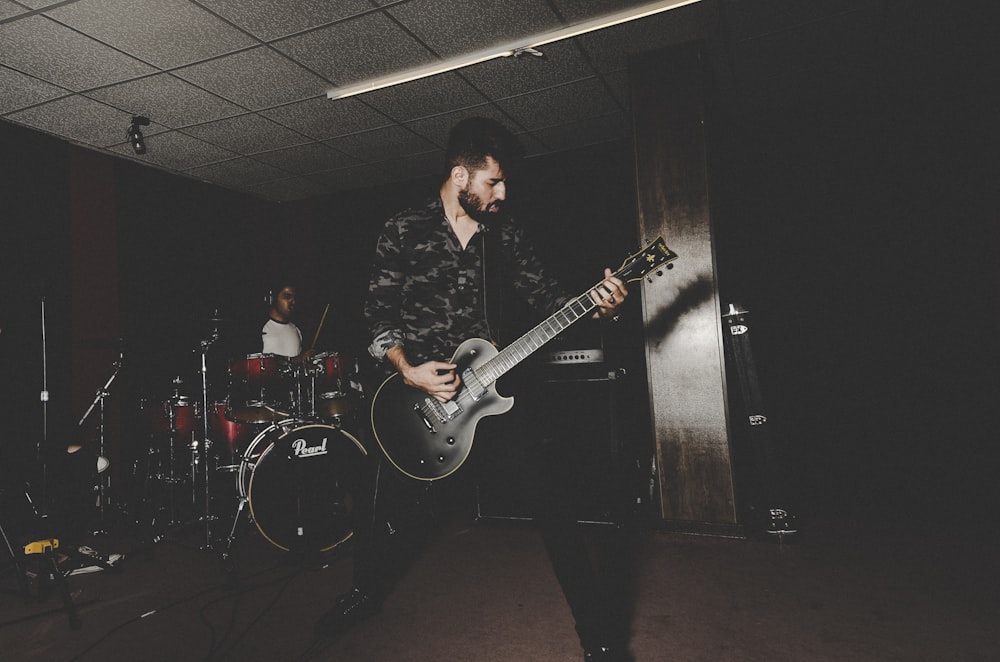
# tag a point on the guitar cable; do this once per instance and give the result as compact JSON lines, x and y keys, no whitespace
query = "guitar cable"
{"x":486,"y":308}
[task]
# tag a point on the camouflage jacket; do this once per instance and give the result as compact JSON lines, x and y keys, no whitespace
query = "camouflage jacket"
{"x":426,"y":291}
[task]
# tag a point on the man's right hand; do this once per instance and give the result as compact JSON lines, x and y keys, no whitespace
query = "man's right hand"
{"x":435,"y":378}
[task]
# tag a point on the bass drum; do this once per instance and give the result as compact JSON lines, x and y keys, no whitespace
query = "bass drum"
{"x":300,"y":480}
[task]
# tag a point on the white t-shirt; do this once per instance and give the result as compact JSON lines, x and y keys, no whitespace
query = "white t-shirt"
{"x":282,"y":338}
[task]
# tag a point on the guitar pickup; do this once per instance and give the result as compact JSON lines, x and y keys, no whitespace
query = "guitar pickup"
{"x":472,"y":384}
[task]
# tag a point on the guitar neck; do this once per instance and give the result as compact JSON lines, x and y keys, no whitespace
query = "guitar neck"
{"x":526,"y":345}
{"x":635,"y":267}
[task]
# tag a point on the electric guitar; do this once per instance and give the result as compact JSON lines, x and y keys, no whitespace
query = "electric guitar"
{"x":427,"y":439}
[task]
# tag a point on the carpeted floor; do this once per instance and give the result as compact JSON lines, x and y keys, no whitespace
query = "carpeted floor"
{"x":483,"y":591}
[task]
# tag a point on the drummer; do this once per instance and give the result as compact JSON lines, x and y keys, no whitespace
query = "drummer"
{"x":280,"y":335}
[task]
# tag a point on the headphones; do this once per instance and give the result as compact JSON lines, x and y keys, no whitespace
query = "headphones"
{"x":271,"y":298}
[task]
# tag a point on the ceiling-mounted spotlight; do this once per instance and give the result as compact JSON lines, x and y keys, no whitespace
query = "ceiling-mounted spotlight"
{"x":135,"y":137}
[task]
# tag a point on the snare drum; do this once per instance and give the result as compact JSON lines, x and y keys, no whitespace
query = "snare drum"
{"x":300,"y":480}
{"x":261,"y":388}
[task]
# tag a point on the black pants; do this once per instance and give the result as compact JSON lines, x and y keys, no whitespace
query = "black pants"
{"x":593,"y":564}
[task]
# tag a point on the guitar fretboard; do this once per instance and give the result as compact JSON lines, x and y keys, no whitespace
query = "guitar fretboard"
{"x":531,"y":341}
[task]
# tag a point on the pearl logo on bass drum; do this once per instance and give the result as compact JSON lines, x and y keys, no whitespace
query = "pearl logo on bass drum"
{"x":301,"y":448}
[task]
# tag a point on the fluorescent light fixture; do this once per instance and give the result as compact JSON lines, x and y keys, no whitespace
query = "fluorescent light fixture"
{"x":508,"y":50}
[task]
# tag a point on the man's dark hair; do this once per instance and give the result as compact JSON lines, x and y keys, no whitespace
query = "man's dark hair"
{"x":474,"y":139}
{"x":277,"y":286}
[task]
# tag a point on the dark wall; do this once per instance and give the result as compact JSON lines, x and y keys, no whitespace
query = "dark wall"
{"x":34,"y":266}
{"x":857,"y":223}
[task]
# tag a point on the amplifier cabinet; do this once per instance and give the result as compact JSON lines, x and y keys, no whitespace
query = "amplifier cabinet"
{"x":575,"y":415}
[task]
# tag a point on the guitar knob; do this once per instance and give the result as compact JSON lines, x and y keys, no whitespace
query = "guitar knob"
{"x":451,"y":441}
{"x":440,"y":458}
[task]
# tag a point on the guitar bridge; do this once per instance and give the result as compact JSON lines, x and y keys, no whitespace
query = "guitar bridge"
{"x":443,"y":411}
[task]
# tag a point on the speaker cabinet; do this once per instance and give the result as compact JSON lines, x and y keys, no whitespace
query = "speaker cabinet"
{"x":574,"y":420}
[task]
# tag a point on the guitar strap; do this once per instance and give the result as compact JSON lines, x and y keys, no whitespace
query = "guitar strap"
{"x":494,"y":267}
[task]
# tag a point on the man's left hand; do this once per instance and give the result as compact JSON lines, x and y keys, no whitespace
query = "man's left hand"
{"x":609,"y":296}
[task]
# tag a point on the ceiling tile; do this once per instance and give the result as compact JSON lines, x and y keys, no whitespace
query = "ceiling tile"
{"x":226,"y":96}
{"x":18,"y":90}
{"x":304,"y":159}
{"x":358,"y":49}
{"x":381,"y":144}
{"x":618,"y":82}
{"x":77,"y":118}
{"x":577,"y":11}
{"x":175,"y":151}
{"x":36,"y":4}
{"x":427,"y":96}
{"x":436,"y":128}
{"x":508,"y":76}
{"x":610,"y":48}
{"x":844,"y":38}
{"x":748,"y":20}
{"x":168,"y":100}
{"x":347,"y":179}
{"x":8,"y":9}
{"x":246,"y":134}
{"x":532,"y":145}
{"x":473,"y":25}
{"x":560,"y":105}
{"x":270,"y":19}
{"x":239,"y":77}
{"x":291,"y":188}
{"x":69,"y":58}
{"x":417,"y":166}
{"x":165,"y":33}
{"x":595,"y":129}
{"x":323,"y":118}
{"x":237,"y":173}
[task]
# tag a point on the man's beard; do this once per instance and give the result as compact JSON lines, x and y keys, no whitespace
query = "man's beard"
{"x":473,"y":205}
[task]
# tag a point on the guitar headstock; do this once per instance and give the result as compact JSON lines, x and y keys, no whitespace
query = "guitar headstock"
{"x":654,"y":256}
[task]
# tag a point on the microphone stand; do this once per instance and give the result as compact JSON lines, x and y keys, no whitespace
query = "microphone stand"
{"x":102,"y":394}
{"x":40,"y":458}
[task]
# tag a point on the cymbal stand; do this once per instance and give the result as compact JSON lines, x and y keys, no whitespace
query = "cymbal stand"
{"x":206,"y":442}
{"x":104,"y":482}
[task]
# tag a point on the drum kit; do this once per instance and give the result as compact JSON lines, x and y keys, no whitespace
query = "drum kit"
{"x":277,"y":444}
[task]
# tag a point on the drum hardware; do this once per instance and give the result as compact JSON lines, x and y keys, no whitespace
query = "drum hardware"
{"x":297,"y":480}
{"x":204,"y":347}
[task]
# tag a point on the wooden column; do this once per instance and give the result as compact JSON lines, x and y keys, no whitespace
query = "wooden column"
{"x":684,"y":348}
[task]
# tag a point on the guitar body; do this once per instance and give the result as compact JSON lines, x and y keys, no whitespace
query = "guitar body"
{"x":420,"y":437}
